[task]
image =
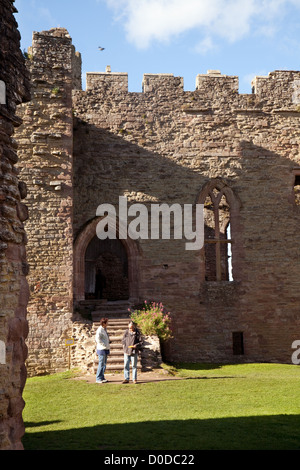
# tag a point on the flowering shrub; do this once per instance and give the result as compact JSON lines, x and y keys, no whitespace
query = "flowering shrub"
{"x":152,"y":319}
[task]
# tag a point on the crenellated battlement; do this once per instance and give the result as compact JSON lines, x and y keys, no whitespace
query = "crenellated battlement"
{"x":118,"y":81}
{"x":282,"y":85}
{"x":161,"y":81}
{"x":152,"y":82}
{"x":216,"y":82}
{"x":113,"y":80}
{"x":279,"y":87}
{"x":52,"y":53}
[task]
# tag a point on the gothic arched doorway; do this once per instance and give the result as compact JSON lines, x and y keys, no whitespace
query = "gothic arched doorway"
{"x":83,"y":247}
{"x":106,"y":270}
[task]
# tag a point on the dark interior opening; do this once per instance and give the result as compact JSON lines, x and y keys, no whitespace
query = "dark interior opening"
{"x":238,"y":343}
{"x":106,"y":270}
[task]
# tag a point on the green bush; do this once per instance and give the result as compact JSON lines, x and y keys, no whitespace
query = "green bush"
{"x":152,"y":319}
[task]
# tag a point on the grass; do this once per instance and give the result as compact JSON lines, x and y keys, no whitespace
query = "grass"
{"x":250,"y":406}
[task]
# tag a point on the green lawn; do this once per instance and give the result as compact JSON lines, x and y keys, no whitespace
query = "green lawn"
{"x":252,"y":406}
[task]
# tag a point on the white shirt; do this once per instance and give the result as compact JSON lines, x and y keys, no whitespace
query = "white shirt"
{"x":102,"y":339}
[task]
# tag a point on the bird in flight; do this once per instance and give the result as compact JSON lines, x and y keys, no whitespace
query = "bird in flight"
{"x":101,"y":48}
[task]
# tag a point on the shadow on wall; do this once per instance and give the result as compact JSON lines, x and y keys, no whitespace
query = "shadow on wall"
{"x":107,"y":166}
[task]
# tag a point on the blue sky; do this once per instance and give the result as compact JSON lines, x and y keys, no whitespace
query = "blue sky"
{"x":184,"y":37}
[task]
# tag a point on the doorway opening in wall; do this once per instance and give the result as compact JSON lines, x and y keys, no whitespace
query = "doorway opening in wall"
{"x":106,"y":270}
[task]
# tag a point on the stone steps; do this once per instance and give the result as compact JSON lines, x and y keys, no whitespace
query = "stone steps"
{"x":85,"y":354}
{"x":118,"y":319}
{"x":115,"y":328}
{"x":111,"y":310}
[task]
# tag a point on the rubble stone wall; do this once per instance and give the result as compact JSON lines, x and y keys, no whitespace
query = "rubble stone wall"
{"x":14,"y":293}
{"x":46,"y":146}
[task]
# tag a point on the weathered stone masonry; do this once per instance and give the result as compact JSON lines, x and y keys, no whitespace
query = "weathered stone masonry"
{"x":46,"y":149}
{"x":237,"y":154}
{"x":14,"y":88}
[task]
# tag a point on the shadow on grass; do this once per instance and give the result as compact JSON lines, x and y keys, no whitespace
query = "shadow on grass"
{"x":174,"y":367}
{"x":280,"y":432}
{"x":177,"y":377}
{"x":42,"y":423}
{"x":197,"y":366}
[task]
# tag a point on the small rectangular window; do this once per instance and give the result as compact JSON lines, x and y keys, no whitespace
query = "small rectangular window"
{"x":238,"y":343}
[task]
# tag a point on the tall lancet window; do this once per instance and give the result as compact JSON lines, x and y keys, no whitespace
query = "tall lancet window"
{"x":218,"y":200}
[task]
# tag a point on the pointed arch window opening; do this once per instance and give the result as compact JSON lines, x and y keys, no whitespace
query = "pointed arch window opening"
{"x":218,"y":241}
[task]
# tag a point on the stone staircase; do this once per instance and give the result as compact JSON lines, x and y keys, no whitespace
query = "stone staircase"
{"x":111,"y":310}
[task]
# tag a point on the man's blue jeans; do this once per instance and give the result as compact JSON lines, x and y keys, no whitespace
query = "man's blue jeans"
{"x":101,"y":366}
{"x":133,"y":360}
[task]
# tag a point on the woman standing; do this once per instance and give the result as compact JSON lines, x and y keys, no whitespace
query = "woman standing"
{"x":103,"y":349}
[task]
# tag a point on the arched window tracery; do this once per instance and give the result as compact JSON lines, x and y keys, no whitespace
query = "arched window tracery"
{"x":220,"y":208}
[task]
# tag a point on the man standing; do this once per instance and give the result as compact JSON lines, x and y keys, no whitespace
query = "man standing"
{"x":103,"y":349}
{"x":132,"y":342}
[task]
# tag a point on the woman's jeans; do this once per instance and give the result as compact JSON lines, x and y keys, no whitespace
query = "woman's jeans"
{"x":101,"y":366}
{"x":133,"y":359}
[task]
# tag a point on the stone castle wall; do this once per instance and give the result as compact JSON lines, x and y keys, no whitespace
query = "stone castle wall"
{"x":165,"y":145}
{"x":14,"y":88}
{"x":46,"y":148}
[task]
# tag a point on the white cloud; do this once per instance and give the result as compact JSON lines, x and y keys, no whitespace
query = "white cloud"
{"x":205,"y":45}
{"x":148,"y":21}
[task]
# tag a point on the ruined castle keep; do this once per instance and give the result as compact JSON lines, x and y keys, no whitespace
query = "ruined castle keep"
{"x":236,"y":299}
{"x":14,"y":292}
